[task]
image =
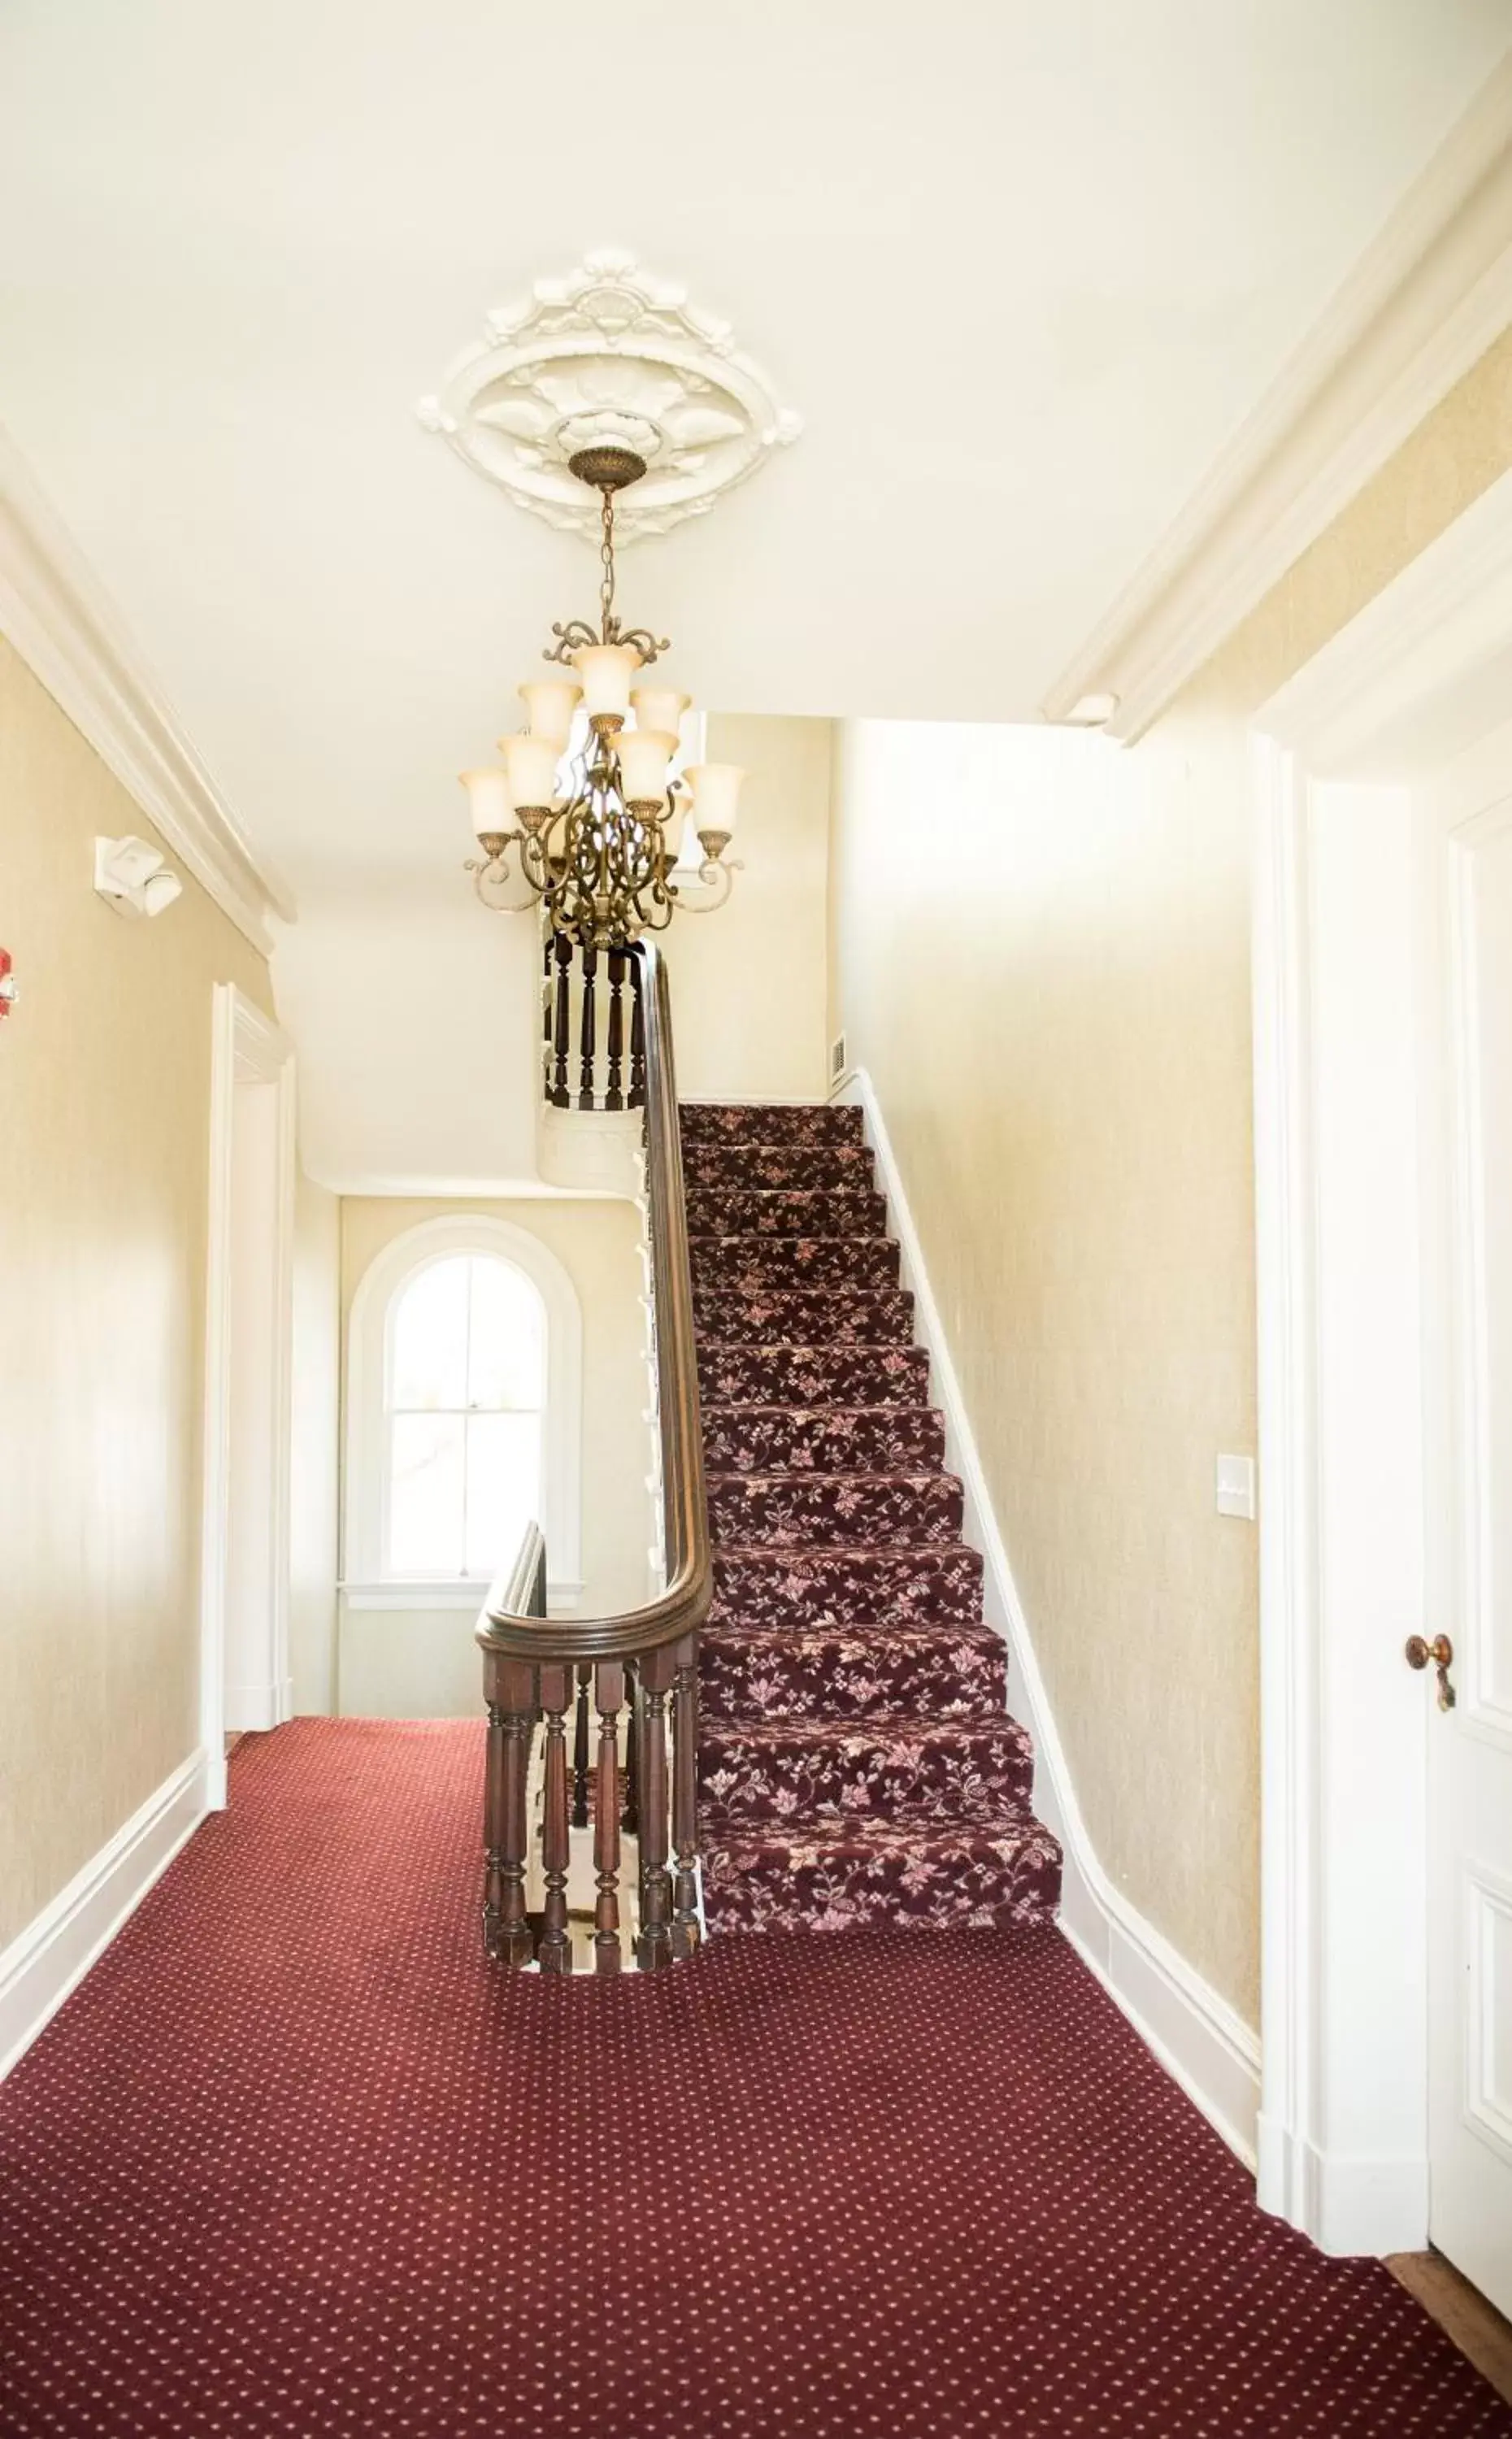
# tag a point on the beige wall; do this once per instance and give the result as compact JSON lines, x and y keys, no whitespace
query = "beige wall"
{"x":105,"y":1143}
{"x":423,"y":1665}
{"x":749,"y":983}
{"x":1060,"y":1044}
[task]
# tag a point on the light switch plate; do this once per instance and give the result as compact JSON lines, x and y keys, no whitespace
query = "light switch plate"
{"x":1236,"y":1486}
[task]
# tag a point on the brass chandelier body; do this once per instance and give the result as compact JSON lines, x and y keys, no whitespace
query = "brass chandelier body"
{"x":601,"y":862}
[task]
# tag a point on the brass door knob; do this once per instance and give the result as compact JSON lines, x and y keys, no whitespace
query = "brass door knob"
{"x":1440,"y":1653}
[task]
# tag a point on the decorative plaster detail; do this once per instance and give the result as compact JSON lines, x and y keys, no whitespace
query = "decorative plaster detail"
{"x":610,"y":356}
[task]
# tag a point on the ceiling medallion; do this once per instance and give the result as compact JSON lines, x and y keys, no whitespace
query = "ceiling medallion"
{"x":610,"y":358}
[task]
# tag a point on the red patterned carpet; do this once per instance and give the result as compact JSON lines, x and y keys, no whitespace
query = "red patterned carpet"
{"x":296,"y":2162}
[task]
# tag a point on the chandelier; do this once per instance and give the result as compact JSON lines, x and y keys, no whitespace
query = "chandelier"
{"x":602,"y":855}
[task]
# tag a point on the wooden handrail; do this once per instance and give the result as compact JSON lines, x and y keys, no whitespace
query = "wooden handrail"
{"x":507,"y":1625}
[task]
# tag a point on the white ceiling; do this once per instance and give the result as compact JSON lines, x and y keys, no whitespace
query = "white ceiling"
{"x":1021,"y":268}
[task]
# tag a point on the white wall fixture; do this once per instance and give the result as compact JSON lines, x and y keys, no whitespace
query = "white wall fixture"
{"x":610,"y":358}
{"x":133,"y":878}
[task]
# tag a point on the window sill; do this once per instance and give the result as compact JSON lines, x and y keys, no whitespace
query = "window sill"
{"x":448,"y":1591}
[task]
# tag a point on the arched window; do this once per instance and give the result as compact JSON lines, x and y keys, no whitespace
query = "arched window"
{"x":464,"y":1402}
{"x":464,"y":1414}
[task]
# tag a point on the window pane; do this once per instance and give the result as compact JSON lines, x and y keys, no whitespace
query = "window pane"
{"x":507,"y":1349}
{"x":428,"y":1362}
{"x":502,"y":1486}
{"x":426,"y":1495}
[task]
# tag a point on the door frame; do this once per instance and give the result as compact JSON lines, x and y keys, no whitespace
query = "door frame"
{"x":1343,"y":2138}
{"x":246,"y":1048}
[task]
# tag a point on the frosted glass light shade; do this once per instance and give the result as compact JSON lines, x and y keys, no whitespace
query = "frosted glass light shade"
{"x":532,"y":766}
{"x":606,"y":670}
{"x":644,"y":754}
{"x":672,"y":829}
{"x":549,"y":706}
{"x":489,"y":802}
{"x":660,"y":707}
{"x":716,"y":793}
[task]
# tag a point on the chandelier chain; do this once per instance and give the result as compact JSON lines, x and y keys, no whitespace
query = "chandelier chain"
{"x":606,"y":553}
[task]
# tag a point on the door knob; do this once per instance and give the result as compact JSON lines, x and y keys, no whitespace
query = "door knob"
{"x":1441,"y":1653}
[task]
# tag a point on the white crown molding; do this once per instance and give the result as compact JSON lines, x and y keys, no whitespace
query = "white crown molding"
{"x":1196,"y":2035}
{"x":71,"y":636}
{"x":52,"y":1956}
{"x":609,"y":356}
{"x":1420,"y":308}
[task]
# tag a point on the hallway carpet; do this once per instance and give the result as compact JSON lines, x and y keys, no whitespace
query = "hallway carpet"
{"x":296,"y":2162}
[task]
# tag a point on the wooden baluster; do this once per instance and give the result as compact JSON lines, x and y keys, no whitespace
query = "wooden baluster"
{"x":509,"y":1686}
{"x":653,"y":1946}
{"x":610,"y":1693}
{"x":630,"y":1818}
{"x":560,"y":1094}
{"x":614,"y":1097}
{"x":685,"y":1933}
{"x":548,"y":967}
{"x":579,"y":1753}
{"x":586,"y":1029}
{"x":637,"y":1038}
{"x":554,"y":1948}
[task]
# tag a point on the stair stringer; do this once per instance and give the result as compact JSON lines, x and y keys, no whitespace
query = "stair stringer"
{"x":1200,"y":2041}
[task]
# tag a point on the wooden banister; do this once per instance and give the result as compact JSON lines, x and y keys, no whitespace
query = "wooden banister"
{"x":656,"y":1643}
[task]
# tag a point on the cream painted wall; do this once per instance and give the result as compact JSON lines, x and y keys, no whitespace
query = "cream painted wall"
{"x":104,"y":1139}
{"x":1061,"y":1050}
{"x":314,"y":1489}
{"x":423,"y":1665}
{"x":749,"y":983}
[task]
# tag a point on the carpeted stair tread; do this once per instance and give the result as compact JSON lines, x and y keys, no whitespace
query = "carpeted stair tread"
{"x":758,"y":1264}
{"x":769,"y":1122}
{"x":841,"y":1587}
{"x":857,"y":1762}
{"x":788,"y":1211}
{"x":854,"y":1510}
{"x":832,"y":1673}
{"x":847,"y":1168}
{"x":823,"y":1875}
{"x":803,"y":1317}
{"x":812,"y":1375}
{"x":892,"y":1766}
{"x":824,"y":1439}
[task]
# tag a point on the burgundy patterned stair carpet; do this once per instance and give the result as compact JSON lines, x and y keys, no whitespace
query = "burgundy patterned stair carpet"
{"x":296,"y":2162}
{"x":856,"y":1763}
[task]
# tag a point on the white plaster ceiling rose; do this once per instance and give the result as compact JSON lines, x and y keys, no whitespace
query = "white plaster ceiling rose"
{"x":610,"y":357}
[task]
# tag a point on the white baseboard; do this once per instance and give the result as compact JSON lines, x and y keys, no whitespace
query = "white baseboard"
{"x":55,"y":1951}
{"x":1195,"y":2034}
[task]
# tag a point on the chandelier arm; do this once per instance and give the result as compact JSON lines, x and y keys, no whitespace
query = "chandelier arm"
{"x":711,"y":873}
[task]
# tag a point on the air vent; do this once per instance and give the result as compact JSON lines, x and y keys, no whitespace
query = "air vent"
{"x":838,"y":1062}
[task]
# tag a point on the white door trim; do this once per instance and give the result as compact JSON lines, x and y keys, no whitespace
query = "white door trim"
{"x":246,"y":1047}
{"x":1342,"y":2131}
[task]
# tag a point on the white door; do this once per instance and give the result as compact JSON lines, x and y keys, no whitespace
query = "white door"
{"x":244,"y":1626}
{"x":1466,"y":836}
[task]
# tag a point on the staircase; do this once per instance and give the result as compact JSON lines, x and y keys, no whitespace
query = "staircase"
{"x":856,"y":1760}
